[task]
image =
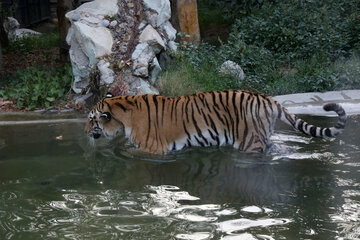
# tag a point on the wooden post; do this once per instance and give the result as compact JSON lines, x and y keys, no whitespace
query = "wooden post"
{"x":188,"y":20}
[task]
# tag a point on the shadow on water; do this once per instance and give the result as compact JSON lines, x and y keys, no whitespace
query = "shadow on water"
{"x":53,"y":184}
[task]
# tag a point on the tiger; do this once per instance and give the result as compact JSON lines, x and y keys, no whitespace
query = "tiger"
{"x":159,"y":124}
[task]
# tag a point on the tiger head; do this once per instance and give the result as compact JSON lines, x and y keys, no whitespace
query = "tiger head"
{"x":104,"y":119}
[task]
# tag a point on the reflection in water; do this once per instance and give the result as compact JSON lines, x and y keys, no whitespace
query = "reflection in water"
{"x":59,"y":188}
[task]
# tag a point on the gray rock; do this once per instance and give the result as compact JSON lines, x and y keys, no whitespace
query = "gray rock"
{"x":162,"y":10}
{"x":105,"y":23}
{"x":139,"y":86}
{"x":155,"y":69}
{"x":106,"y":73}
{"x":233,"y":69}
{"x":169,"y":30}
{"x":89,"y":39}
{"x":172,"y":46}
{"x":82,"y":99}
{"x":113,"y":23}
{"x":150,"y":36}
{"x":141,"y":58}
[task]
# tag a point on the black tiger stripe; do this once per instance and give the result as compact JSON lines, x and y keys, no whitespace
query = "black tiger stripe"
{"x":227,"y":97}
{"x":197,"y":127}
{"x":176,"y":103}
{"x":218,"y":116}
{"x":236,"y":115}
{"x":186,"y":131}
{"x":162,"y":111}
{"x":207,"y":105}
{"x":279,"y":109}
{"x":196,"y":104}
{"x":204,"y":117}
{"x":201,"y":143}
{"x":172,"y":108}
{"x":186,"y":108}
{"x":188,"y":143}
{"x":108,"y":105}
{"x":221,"y":100}
{"x":313,"y":131}
{"x":214,"y":100}
{"x":128,"y":101}
{"x":250,"y":142}
{"x":121,"y":106}
{"x":226,"y":137}
{"x":156,"y":109}
{"x":241,"y":104}
{"x":149,"y":118}
{"x":213,"y":126}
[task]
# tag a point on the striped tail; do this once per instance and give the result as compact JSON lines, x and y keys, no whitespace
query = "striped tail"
{"x":312,"y":130}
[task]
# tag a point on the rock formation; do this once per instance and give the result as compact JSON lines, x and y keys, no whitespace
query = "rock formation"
{"x":125,"y":42}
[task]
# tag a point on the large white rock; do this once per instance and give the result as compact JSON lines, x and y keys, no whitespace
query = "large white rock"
{"x":139,"y":86}
{"x":150,"y":36}
{"x":155,"y":69}
{"x":141,"y":58}
{"x":94,"y":10}
{"x":169,"y":30}
{"x":94,"y":41}
{"x":89,"y":39}
{"x":106,"y":73}
{"x":162,"y":11}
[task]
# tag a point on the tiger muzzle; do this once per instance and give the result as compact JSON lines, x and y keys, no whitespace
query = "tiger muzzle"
{"x":95,"y":133}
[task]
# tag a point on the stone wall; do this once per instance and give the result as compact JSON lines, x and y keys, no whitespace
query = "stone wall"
{"x":124,"y":41}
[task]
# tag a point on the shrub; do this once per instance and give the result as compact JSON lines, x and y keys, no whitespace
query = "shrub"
{"x":35,"y":87}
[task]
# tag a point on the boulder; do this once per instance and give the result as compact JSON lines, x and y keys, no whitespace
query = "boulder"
{"x":150,"y":36}
{"x":169,"y":30}
{"x":88,"y":39}
{"x":160,"y":11}
{"x":141,"y":58}
{"x":233,"y":69}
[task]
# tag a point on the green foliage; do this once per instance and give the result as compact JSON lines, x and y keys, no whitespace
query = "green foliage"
{"x":44,"y":41}
{"x":35,"y":87}
{"x":283,"y":47}
{"x":231,"y":9}
{"x":300,"y":29}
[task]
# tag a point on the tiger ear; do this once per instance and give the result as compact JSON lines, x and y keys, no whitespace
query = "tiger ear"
{"x":105,"y":116}
{"x":109,"y":95}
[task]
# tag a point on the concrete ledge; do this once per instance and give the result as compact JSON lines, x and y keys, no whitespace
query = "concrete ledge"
{"x":311,"y":103}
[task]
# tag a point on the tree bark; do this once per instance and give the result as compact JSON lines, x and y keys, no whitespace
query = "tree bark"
{"x":63,"y":6}
{"x":187,"y":15}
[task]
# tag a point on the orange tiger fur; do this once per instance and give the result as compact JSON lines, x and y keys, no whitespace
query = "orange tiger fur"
{"x":159,"y":124}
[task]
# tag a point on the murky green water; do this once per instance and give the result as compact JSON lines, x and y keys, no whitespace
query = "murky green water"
{"x":53,"y":185}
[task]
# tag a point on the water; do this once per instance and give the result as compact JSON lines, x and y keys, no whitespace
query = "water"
{"x":53,"y":185}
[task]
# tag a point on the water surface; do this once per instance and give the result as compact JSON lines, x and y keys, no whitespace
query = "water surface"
{"x":53,"y":185}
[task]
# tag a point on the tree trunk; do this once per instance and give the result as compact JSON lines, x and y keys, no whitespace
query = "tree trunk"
{"x":4,"y":42}
{"x":1,"y":60}
{"x":63,"y":6}
{"x":187,"y":15}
